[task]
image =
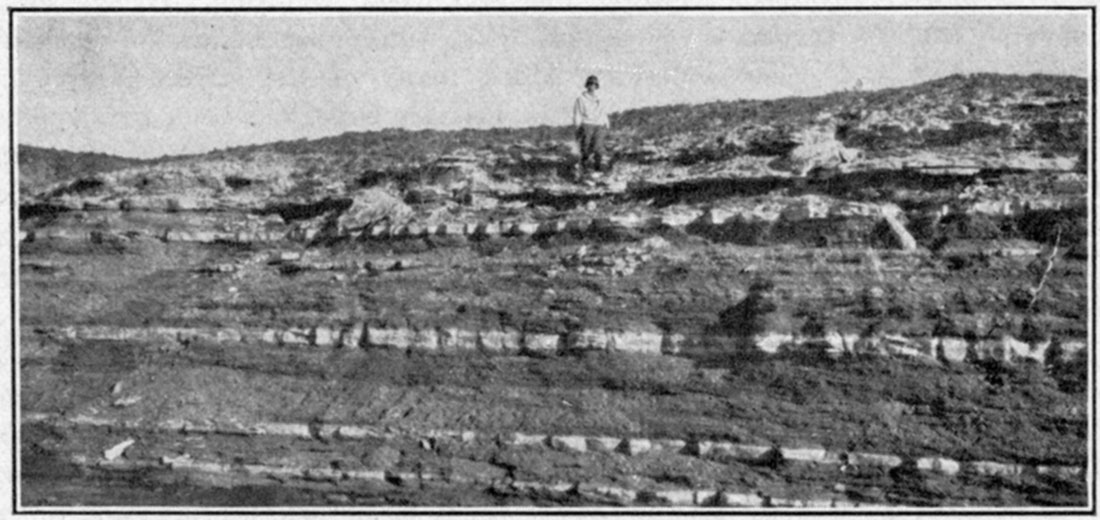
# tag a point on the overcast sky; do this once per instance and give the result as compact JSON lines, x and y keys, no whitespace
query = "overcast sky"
{"x":145,"y":85}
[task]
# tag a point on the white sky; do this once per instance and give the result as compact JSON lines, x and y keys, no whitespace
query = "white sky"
{"x":144,"y":85}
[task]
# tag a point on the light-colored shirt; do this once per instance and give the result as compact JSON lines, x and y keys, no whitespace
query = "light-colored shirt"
{"x":590,"y":110}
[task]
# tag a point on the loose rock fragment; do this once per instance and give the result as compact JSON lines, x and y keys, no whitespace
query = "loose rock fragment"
{"x":117,"y":450}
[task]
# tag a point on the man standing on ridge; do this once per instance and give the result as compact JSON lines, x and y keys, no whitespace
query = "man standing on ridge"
{"x":592,"y":125}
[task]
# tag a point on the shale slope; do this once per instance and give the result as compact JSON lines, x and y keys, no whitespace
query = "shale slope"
{"x":862,"y":300}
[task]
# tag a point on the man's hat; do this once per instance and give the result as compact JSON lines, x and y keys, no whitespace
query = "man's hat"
{"x":592,"y":80}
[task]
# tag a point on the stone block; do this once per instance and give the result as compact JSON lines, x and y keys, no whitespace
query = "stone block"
{"x":325,"y":337}
{"x":402,"y":478}
{"x":675,"y":497}
{"x":874,"y":460}
{"x":953,"y":349}
{"x":836,"y":343}
{"x":323,"y":475}
{"x":636,"y":342}
{"x":1070,"y":347}
{"x":424,"y":339}
{"x":700,"y":448}
{"x":184,"y":203}
{"x":620,"y":494}
{"x":353,"y":432}
{"x":746,"y":452}
{"x":628,"y":221}
{"x":101,"y":205}
{"x":541,"y":343}
{"x":995,"y":468}
{"x":294,"y":337}
{"x":551,"y":227}
{"x":603,"y":444}
{"x":927,"y":346}
{"x":705,"y":497}
{"x":400,"y":338}
{"x":669,"y":445}
{"x":524,"y":228}
{"x":817,"y":503}
{"x":587,"y":340}
{"x":488,"y":229}
{"x":1015,"y":348}
{"x":522,"y":439}
{"x":378,"y":231}
{"x":287,"y":429}
{"x":376,"y":475}
{"x":454,"y":339}
{"x":771,"y":343}
{"x":453,"y":229}
{"x":500,"y":340}
{"x":741,"y":499}
{"x":989,"y":349}
{"x":815,"y":455}
{"x":681,"y":219}
{"x":938,"y":465}
{"x":207,"y":237}
{"x":352,"y":336}
{"x":1038,"y":351}
{"x":636,"y":446}
{"x":270,"y":336}
{"x":1063,"y":472}
{"x":569,"y":443}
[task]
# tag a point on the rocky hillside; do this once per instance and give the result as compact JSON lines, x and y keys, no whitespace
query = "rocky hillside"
{"x":865,"y":299}
{"x":977,"y":113}
{"x":40,"y":167}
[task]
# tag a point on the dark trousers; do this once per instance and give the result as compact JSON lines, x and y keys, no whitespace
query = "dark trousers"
{"x":591,"y":139}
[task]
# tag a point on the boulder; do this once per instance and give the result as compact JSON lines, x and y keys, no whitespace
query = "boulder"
{"x":370,"y":207}
{"x":817,"y":147}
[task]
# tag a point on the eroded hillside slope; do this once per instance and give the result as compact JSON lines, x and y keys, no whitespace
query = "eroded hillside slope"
{"x":871,"y":299}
